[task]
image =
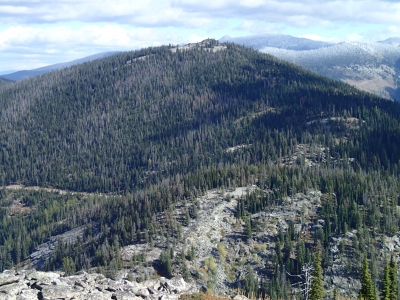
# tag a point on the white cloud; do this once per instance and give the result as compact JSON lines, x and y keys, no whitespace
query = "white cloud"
{"x":194,"y":38}
{"x":195,"y":13}
{"x":102,"y":36}
{"x":298,"y":12}
{"x":257,"y":27}
{"x":138,"y":13}
{"x":382,"y":33}
{"x":32,"y":47}
{"x":393,"y":30}
{"x":8,"y":9}
{"x":76,"y":28}
{"x":355,"y":37}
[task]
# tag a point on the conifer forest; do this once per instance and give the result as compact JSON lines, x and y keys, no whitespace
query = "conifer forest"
{"x":115,"y":145}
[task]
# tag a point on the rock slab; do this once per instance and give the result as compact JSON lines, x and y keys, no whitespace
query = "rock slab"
{"x":32,"y":284}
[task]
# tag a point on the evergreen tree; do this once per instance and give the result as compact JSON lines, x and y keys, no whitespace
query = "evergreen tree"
{"x":367,"y":291}
{"x":251,"y":283}
{"x":68,"y":266}
{"x":166,"y":263}
{"x":317,"y":291}
{"x":185,"y":271}
{"x":278,"y":252}
{"x":248,"y":228}
{"x":8,"y":264}
{"x":335,"y":293}
{"x":386,"y":284}
{"x":393,"y":278}
{"x":191,"y":253}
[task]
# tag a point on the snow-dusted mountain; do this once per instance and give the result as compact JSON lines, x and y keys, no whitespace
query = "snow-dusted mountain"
{"x":275,"y":40}
{"x":373,"y":67}
{"x":392,"y":41}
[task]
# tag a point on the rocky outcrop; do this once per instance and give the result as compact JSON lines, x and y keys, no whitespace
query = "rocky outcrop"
{"x":32,"y":284}
{"x":44,"y":251}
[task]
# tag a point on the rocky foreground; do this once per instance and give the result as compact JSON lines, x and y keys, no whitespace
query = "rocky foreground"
{"x":32,"y":284}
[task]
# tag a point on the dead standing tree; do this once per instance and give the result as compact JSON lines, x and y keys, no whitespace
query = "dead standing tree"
{"x":306,"y":278}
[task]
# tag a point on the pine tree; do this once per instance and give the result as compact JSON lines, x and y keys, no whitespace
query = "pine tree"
{"x":317,"y":291}
{"x":335,"y":293}
{"x":191,"y":254}
{"x":185,"y":271}
{"x":367,"y":291}
{"x":248,"y":229}
{"x":166,"y":263}
{"x":251,"y":283}
{"x":385,"y":291}
{"x":68,"y":266}
{"x":393,"y":279}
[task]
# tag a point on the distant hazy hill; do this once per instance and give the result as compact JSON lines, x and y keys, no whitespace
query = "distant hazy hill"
{"x":20,"y":75}
{"x":277,"y":41}
{"x":7,"y":72}
{"x":371,"y":67}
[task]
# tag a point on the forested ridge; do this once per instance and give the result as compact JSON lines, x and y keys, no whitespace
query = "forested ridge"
{"x":4,"y":81}
{"x":153,"y":127}
{"x":94,"y":127}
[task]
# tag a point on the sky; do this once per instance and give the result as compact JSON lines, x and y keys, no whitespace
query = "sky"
{"x":37,"y":33}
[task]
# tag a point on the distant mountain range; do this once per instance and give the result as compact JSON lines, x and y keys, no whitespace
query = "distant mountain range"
{"x":20,"y":75}
{"x":373,"y":67}
{"x":276,"y":41}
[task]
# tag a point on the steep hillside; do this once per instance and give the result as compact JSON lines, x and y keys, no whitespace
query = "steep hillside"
{"x":125,"y":121}
{"x":126,"y":150}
